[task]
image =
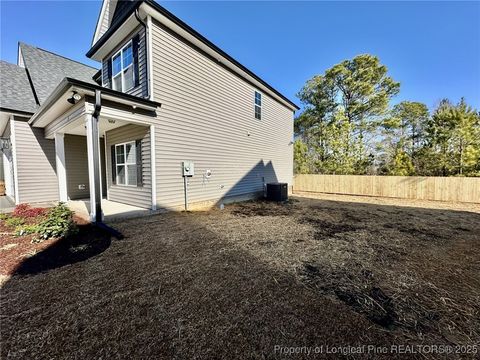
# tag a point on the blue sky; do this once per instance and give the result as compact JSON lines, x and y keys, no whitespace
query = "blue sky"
{"x":432,"y":48}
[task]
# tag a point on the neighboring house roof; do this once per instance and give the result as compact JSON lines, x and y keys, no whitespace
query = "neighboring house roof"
{"x":15,"y":90}
{"x":47,"y":70}
{"x":128,"y":7}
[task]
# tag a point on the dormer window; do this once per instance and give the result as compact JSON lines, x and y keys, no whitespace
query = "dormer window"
{"x":123,"y":74}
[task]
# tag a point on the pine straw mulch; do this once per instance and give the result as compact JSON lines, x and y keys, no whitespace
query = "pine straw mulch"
{"x":235,"y":283}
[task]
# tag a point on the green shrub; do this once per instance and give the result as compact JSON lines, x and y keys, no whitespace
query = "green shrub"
{"x":4,"y":216}
{"x":59,"y":223}
{"x":14,"y":221}
{"x":26,"y":229}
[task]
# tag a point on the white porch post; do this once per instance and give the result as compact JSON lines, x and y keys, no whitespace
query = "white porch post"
{"x":93,"y":173}
{"x":153,"y":167}
{"x":60,"y":164}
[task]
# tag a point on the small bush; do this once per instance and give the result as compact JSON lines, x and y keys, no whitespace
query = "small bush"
{"x":26,"y":230}
{"x":14,"y":221}
{"x":59,"y":223}
{"x":4,"y":216}
{"x":26,"y":211}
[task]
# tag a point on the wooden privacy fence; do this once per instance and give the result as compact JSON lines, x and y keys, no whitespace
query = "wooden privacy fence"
{"x":460,"y":189}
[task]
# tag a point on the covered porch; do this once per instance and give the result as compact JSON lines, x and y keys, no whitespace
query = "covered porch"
{"x":105,"y":165}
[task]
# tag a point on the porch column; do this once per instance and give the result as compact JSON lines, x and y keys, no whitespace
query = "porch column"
{"x":93,"y":152}
{"x":153,"y":167}
{"x":60,"y":165}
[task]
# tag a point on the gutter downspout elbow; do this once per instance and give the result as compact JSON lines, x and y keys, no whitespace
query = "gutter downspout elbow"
{"x":147,"y":77}
{"x":98,"y":104}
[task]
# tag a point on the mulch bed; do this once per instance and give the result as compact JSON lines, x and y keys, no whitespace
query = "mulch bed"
{"x":236,"y":283}
{"x":14,"y":250}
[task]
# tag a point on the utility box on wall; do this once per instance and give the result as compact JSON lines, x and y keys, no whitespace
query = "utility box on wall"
{"x":188,"y":168}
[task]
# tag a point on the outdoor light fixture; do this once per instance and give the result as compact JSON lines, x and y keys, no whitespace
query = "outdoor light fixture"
{"x":74,"y":98}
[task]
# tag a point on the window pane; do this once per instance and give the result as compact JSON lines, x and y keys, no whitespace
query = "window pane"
{"x":131,"y":153}
{"x":127,"y":54}
{"x":258,"y":112}
{"x":121,"y":174}
{"x":120,"y":154}
{"x":132,"y":174}
{"x":116,"y":65}
{"x":258,"y":98}
{"x":117,"y":83}
{"x":128,"y":78}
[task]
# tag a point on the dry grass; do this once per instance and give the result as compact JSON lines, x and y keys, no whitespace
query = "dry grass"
{"x":237,"y":282}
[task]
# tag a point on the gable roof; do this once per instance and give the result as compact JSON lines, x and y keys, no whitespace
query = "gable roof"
{"x":131,"y":7}
{"x":47,"y":70}
{"x":15,"y":90}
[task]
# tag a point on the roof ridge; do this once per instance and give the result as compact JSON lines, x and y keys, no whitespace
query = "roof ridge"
{"x":61,"y":56}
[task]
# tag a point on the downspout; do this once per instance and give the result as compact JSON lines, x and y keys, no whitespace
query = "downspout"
{"x":147,"y":77}
{"x":96,"y":168}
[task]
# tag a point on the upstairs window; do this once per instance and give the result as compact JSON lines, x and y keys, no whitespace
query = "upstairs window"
{"x":123,"y":74}
{"x":258,"y":105}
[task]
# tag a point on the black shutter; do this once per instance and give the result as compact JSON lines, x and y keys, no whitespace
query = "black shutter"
{"x":109,"y":74}
{"x":138,"y":148}
{"x":135,"y":42}
{"x":114,"y":165}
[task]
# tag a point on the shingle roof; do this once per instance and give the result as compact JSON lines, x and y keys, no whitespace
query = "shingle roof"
{"x":47,"y":70}
{"x":15,"y":90}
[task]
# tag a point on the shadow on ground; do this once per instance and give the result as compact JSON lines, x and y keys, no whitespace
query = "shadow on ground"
{"x":213,"y":284}
{"x":88,"y":242}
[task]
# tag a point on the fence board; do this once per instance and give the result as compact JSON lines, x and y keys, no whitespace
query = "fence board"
{"x":454,"y":189}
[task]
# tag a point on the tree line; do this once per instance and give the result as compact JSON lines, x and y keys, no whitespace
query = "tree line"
{"x":349,"y":127}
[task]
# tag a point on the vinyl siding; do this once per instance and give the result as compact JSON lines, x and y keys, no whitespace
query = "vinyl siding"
{"x":36,"y":168}
{"x":142,"y":89}
{"x":5,"y":134}
{"x":1,"y":168}
{"x":136,"y":196}
{"x":7,"y":158}
{"x":76,"y":164}
{"x":207,"y":116}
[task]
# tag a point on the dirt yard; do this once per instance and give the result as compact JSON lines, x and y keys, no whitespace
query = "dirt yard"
{"x":245,"y":281}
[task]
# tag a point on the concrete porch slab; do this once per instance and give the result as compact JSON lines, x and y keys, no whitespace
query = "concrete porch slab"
{"x":111,"y":210}
{"x":6,"y":204}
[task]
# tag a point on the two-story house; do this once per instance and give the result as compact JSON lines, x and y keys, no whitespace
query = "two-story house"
{"x":164,"y":95}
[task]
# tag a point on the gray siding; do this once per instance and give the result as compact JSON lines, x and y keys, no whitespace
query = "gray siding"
{"x":76,"y":164}
{"x":142,"y":89}
{"x":207,"y":116}
{"x":76,"y":160}
{"x":104,"y":22}
{"x":1,"y":167}
{"x":36,"y":168}
{"x":137,"y":196}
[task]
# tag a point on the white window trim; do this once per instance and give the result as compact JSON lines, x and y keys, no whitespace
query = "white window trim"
{"x":255,"y":105}
{"x":125,"y":164}
{"x":122,"y":70}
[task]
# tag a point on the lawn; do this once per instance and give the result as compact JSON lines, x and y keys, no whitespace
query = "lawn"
{"x":236,"y":283}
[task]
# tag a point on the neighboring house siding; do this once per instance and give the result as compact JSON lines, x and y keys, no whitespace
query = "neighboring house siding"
{"x":142,"y":89}
{"x":137,"y":196}
{"x":76,"y":164}
{"x":36,"y":168}
{"x":207,"y":116}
